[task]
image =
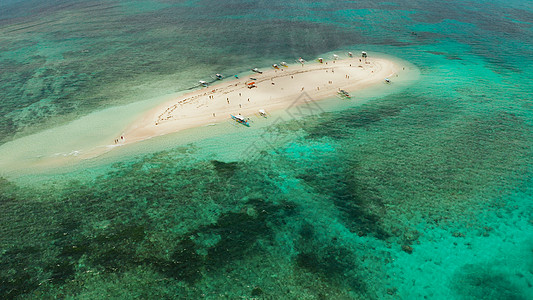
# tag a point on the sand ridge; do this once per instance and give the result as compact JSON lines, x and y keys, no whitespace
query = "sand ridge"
{"x":275,"y":89}
{"x":78,"y":143}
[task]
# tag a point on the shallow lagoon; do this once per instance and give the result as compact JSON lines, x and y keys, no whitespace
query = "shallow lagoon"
{"x":420,"y":193}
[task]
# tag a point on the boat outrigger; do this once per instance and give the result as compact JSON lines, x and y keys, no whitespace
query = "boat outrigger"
{"x":344,"y":94}
{"x":256,"y":70}
{"x":240,"y":119}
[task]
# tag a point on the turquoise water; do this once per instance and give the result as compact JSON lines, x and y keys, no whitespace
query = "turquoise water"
{"x":420,"y":194}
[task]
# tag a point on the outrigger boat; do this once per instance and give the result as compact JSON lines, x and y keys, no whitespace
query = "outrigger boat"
{"x":320,"y":60}
{"x":240,"y":119}
{"x":251,"y":84}
{"x":219,"y":76}
{"x":256,"y":70}
{"x":335,"y":56}
{"x":344,"y":94}
{"x":262,"y":113}
{"x":283,"y":64}
{"x":203,"y":83}
{"x":387,"y":80}
{"x":363,"y":54}
{"x":275,"y":66}
{"x":350,"y":54}
{"x":301,"y":60}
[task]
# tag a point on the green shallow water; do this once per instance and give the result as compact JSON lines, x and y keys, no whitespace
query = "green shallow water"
{"x":422,"y":193}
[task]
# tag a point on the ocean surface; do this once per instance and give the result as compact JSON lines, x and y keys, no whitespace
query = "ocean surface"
{"x":421,"y":193}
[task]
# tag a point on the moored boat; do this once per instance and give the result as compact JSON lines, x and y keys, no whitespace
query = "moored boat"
{"x":344,"y":94}
{"x":284,"y":64}
{"x":251,"y":84}
{"x":256,"y":70}
{"x":240,"y":119}
{"x":202,"y":83}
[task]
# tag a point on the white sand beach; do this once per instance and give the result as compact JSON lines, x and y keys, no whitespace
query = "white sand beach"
{"x":274,"y":89}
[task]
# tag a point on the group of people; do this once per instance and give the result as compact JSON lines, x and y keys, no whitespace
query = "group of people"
{"x":119,"y":140}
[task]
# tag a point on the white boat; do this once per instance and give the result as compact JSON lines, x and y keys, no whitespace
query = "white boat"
{"x":320,"y":60}
{"x":335,"y":56}
{"x":256,"y":70}
{"x":363,"y":54}
{"x":350,"y":54}
{"x":301,"y":60}
{"x":387,"y":80}
{"x":284,"y":64}
{"x":262,"y":113}
{"x":219,"y":76}
{"x":240,"y":119}
{"x":203,"y":83}
{"x":275,"y":66}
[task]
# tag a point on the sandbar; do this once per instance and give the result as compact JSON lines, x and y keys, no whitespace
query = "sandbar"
{"x":274,"y":89}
